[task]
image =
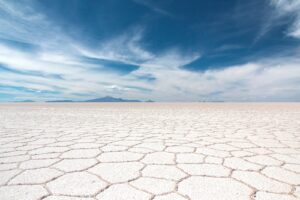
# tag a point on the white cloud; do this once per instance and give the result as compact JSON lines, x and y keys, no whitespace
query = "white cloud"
{"x":125,"y":47}
{"x":264,"y":80}
{"x":289,"y":7}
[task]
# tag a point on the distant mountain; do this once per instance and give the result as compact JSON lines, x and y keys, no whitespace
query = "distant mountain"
{"x":63,"y":101}
{"x":26,"y":101}
{"x":149,"y":101}
{"x":111,"y":99}
{"x":102,"y":99}
{"x":212,"y":101}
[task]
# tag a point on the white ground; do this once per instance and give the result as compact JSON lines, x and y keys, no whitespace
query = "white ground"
{"x":149,"y":151}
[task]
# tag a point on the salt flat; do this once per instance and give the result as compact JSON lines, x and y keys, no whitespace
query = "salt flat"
{"x":160,"y":151}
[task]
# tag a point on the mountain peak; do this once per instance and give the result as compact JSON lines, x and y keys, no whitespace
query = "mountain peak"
{"x":111,"y":99}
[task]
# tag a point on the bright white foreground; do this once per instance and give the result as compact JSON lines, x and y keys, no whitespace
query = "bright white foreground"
{"x":146,"y":151}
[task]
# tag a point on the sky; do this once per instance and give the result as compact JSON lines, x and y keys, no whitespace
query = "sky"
{"x":163,"y":50}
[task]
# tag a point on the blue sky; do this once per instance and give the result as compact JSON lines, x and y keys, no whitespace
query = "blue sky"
{"x":164,"y":50}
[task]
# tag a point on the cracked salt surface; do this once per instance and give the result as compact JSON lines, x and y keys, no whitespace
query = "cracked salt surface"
{"x":150,"y":151}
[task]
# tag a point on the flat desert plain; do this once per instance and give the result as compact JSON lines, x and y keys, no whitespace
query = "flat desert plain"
{"x":143,"y":151}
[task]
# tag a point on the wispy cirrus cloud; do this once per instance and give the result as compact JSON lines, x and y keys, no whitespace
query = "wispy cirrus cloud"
{"x":291,"y":8}
{"x":151,"y":5}
{"x":37,"y":69}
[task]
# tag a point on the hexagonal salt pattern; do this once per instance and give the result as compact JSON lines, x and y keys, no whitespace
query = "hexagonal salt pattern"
{"x":208,"y":188}
{"x":77,"y":183}
{"x":149,"y":151}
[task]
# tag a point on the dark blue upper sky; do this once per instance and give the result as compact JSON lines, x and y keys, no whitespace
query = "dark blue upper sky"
{"x":143,"y":43}
{"x":225,"y":32}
